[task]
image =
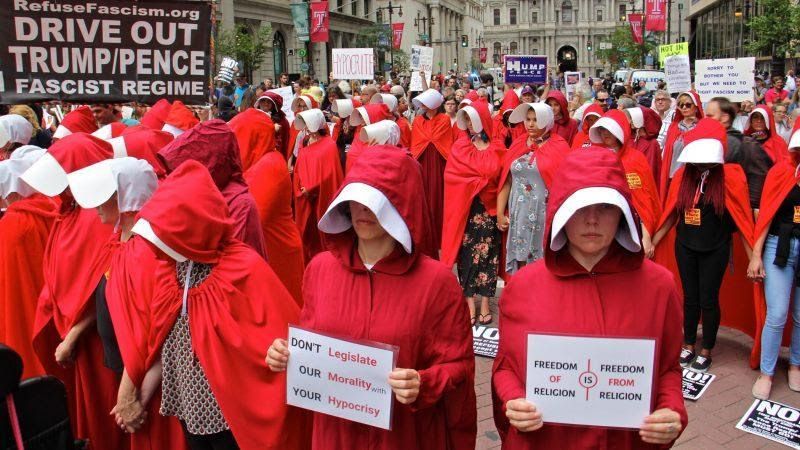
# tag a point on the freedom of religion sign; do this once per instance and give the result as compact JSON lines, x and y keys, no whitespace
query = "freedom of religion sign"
{"x":104,"y":51}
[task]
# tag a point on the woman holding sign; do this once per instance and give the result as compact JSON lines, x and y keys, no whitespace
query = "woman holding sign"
{"x":593,"y":281}
{"x":374,"y":284}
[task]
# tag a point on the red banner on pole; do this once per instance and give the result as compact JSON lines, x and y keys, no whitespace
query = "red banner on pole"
{"x":636,"y":27}
{"x":484,"y":52}
{"x":656,"y":11}
{"x":397,"y":34}
{"x":320,"y":22}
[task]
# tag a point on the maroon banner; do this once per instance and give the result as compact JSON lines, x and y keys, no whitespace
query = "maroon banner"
{"x":397,"y":34}
{"x":656,"y":11}
{"x":484,"y":52}
{"x":320,"y":22}
{"x":636,"y":27}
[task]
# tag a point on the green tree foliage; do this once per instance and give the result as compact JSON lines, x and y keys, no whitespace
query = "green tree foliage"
{"x":624,"y":51}
{"x":244,"y":44}
{"x":776,"y":28}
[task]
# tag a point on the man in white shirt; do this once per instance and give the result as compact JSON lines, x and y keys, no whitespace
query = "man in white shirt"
{"x":662,"y":104}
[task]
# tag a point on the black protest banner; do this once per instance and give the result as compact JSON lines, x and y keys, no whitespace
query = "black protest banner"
{"x":695,"y":383}
{"x":774,"y":421}
{"x":104,"y":51}
{"x":485,"y":340}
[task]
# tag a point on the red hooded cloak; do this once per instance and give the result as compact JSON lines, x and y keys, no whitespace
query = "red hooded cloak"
{"x":624,"y":295}
{"x":581,"y":138}
{"x":774,"y":146}
{"x":255,"y":133}
{"x":566,"y":127}
{"x":156,"y":116}
{"x":673,"y":133}
{"x":648,"y":143}
{"x":343,"y":298}
{"x":375,"y":113}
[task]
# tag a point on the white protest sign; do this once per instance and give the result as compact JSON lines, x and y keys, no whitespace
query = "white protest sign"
{"x":572,"y":80}
{"x":340,"y":378}
{"x":416,"y":82}
{"x":353,"y":63}
{"x":732,"y":78}
{"x":678,"y":74}
{"x":421,"y":58}
{"x":288,"y":95}
{"x":590,"y":381}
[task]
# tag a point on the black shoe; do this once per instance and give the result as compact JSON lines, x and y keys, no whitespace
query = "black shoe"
{"x":701,"y":363}
{"x":687,"y":356}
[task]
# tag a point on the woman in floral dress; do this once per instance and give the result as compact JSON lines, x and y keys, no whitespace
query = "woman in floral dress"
{"x":531,"y":161}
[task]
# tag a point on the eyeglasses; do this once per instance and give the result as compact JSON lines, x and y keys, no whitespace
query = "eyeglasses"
{"x":662,"y":99}
{"x":685,"y":105}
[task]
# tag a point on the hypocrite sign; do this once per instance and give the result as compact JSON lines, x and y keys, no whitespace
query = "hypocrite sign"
{"x":525,"y":69}
{"x":353,"y":63}
{"x":577,"y":380}
{"x":774,"y":421}
{"x":340,"y":378}
{"x":104,"y":51}
{"x":730,"y":77}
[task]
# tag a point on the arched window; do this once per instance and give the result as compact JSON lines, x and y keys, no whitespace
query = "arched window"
{"x":512,"y":48}
{"x":279,"y":54}
{"x":496,"y":49}
{"x":566,"y":12}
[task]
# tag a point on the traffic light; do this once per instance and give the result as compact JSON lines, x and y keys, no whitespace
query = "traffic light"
{"x":589,"y":45}
{"x":464,"y":40}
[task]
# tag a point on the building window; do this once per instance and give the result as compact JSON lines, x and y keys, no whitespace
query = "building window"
{"x":512,"y":49}
{"x":535,"y":51}
{"x":599,"y":15}
{"x":535,"y":17}
{"x":496,"y":52}
{"x":354,"y":8}
{"x":367,"y":8}
{"x":622,"y":12}
{"x":279,"y":55}
{"x":338,"y":5}
{"x":513,"y":16}
{"x":497,"y":17}
{"x":566,"y":12}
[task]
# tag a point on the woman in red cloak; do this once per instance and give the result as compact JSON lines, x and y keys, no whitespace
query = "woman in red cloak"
{"x":272,"y":104}
{"x":343,"y":132}
{"x":360,"y":290}
{"x":645,"y":126}
{"x":708,"y":200}
{"x":430,"y":145}
{"x":79,"y":120}
{"x":28,"y":218}
{"x":271,"y":187}
{"x":563,"y":124}
{"x":361,"y":117}
{"x":75,"y":260}
{"x":118,"y":188}
{"x":528,"y":171}
{"x":688,"y":110}
{"x":613,"y":131}
{"x":760,"y":126}
{"x":503,"y":131}
{"x":592,"y":281}
{"x":393,"y":102}
{"x":156,"y":115}
{"x":777,"y":271}
{"x":296,"y":137}
{"x":213,"y":144}
{"x":317,"y":176}
{"x":590,"y":116}
{"x":253,"y":148}
{"x":216,"y":305}
{"x":470,"y":238}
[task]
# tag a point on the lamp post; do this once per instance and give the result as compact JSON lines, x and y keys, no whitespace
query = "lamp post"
{"x":424,"y":22}
{"x":456,"y":30}
{"x":680,"y":28}
{"x":378,"y":14}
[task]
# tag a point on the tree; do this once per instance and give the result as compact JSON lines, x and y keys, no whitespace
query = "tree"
{"x":624,"y":51}
{"x":247,"y":46}
{"x":376,"y":36}
{"x":776,"y":31}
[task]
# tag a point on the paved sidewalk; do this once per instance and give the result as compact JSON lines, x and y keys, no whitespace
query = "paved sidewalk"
{"x":712,"y":419}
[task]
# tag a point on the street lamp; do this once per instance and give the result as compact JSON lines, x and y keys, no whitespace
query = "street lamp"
{"x":680,"y":28}
{"x":424,"y":22}
{"x":378,"y":15}
{"x":456,"y":30}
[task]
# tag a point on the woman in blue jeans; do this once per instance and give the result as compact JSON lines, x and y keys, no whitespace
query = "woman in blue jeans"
{"x":776,"y":262}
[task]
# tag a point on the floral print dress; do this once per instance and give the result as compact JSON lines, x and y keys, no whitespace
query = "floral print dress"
{"x":479,"y":252}
{"x":527,"y":205}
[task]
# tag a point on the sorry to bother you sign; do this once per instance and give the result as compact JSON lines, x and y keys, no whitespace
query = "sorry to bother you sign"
{"x":96,"y":51}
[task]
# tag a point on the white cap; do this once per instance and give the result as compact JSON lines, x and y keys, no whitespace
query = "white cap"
{"x":119,"y":146}
{"x":132,"y":179}
{"x":61,"y":132}
{"x":703,"y":151}
{"x":142,"y":228}
{"x":335,"y":220}
{"x":302,"y":98}
{"x":172,"y":129}
{"x":16,"y":128}
{"x":46,"y":176}
{"x":628,"y":237}
{"x":761,"y":113}
{"x":397,"y":90}
{"x":343,"y":107}
{"x":383,"y":132}
{"x":311,"y":119}
{"x":544,"y":114}
{"x":4,"y":137}
{"x":610,"y":125}
{"x":103,"y":132}
{"x":387,"y":99}
{"x":12,"y":168}
{"x":359,"y":117}
{"x":794,"y":142}
{"x":637,"y":117}
{"x":471,"y":114}
{"x":431,"y":98}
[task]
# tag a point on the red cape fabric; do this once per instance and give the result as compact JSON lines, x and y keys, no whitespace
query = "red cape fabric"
{"x":319,"y":171}
{"x":144,"y":143}
{"x":567,"y":127}
{"x":780,"y":180}
{"x":271,"y":187}
{"x":548,"y":157}
{"x":155,"y":117}
{"x":623,"y":296}
{"x":432,"y":333}
{"x":405,"y":132}
{"x":436,"y":131}
{"x":673,"y":133}
{"x":255,"y":133}
{"x":214,"y":145}
{"x":375,"y":113}
{"x":774,"y":146}
{"x":648,"y":144}
{"x":129,"y":292}
{"x":80,"y":120}
{"x":26,"y":221}
{"x":282,"y":137}
{"x":234,"y":314}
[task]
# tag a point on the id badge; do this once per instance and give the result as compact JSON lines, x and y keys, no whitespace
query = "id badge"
{"x":692,"y":217}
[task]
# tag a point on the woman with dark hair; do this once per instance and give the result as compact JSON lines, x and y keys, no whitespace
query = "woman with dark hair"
{"x":272,"y":104}
{"x":248,"y":99}
{"x":708,"y":201}
{"x":225,"y":109}
{"x":333,"y":93}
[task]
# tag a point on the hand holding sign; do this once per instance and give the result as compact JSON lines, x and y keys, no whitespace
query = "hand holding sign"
{"x":278,"y":355}
{"x":523,"y":415}
{"x":405,"y":385}
{"x":661,"y":427}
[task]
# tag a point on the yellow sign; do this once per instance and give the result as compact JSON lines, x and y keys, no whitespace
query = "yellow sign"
{"x":681,"y":48}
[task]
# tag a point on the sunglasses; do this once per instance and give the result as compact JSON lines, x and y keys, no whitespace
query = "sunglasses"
{"x":685,"y":105}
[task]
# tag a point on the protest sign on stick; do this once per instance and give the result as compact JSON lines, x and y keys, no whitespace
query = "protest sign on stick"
{"x":525,"y":69}
{"x":730,"y":77}
{"x":678,"y":73}
{"x":353,"y":63}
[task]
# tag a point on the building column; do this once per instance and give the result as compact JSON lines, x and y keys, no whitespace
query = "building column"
{"x":435,"y":34}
